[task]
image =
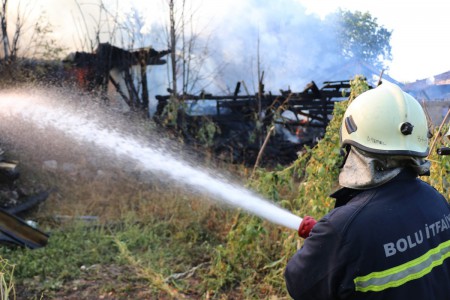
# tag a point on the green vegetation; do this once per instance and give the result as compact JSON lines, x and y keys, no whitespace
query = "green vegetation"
{"x":157,"y":241}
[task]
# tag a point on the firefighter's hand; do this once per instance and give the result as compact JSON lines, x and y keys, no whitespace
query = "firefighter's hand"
{"x":305,"y":226}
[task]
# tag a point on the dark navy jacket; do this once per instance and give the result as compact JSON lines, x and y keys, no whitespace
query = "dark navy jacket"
{"x":389,"y":242}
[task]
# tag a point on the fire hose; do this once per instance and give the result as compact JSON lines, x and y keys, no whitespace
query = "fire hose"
{"x":443,"y":151}
{"x":306,"y":226}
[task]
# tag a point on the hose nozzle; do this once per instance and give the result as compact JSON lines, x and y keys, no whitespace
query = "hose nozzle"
{"x":443,"y":151}
{"x":305,"y":226}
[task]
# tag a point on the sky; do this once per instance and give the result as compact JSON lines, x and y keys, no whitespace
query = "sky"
{"x":420,"y":33}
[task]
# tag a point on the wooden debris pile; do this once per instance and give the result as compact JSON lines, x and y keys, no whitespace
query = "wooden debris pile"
{"x":240,"y":123}
{"x":13,"y":203}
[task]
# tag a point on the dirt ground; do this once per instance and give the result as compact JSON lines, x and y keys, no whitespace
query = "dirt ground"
{"x":98,"y":282}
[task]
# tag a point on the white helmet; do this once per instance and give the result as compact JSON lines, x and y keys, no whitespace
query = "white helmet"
{"x":386,"y":120}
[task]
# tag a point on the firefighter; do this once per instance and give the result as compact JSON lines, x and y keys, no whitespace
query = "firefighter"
{"x":389,"y":234}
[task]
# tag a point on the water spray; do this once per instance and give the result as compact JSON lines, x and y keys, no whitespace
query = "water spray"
{"x":85,"y":130}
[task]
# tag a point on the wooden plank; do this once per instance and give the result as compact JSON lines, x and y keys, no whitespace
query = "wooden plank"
{"x":18,"y":231}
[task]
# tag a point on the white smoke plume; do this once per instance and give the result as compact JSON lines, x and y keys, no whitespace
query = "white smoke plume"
{"x":232,"y":41}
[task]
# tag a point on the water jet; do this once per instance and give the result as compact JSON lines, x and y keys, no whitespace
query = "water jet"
{"x":43,"y":111}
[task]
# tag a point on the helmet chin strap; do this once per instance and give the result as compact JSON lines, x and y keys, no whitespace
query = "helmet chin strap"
{"x":344,"y":151}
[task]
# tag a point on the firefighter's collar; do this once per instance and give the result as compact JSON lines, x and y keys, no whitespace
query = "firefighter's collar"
{"x":345,"y":194}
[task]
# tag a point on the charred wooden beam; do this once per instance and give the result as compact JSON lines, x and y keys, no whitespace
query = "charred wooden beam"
{"x":236,"y":90}
{"x":28,"y":203}
{"x":238,"y":121}
{"x":17,"y":231}
{"x":94,"y":68}
{"x":9,"y":171}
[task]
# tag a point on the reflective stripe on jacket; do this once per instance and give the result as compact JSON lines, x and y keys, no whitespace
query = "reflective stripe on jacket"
{"x":389,"y":242}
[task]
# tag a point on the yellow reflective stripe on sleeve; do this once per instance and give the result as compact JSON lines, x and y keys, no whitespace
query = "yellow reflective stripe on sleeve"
{"x":393,"y":277}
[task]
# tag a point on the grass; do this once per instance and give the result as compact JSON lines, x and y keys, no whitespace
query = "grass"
{"x":148,"y":231}
{"x":155,"y":240}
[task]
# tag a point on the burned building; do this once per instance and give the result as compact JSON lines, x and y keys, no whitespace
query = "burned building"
{"x":436,"y":88}
{"x":242,"y":122}
{"x":434,"y":94}
{"x":93,"y":71}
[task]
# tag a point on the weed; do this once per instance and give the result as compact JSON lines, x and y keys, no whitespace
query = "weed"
{"x":151,"y":231}
{"x":7,"y":290}
{"x":254,"y":257}
{"x":63,"y":257}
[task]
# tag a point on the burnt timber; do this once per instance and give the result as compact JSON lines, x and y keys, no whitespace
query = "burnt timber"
{"x":13,"y":229}
{"x":107,"y":57}
{"x":92,"y":71}
{"x":300,"y":118}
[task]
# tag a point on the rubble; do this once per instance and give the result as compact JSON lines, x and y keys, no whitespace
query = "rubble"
{"x":238,"y":124}
{"x":14,"y":201}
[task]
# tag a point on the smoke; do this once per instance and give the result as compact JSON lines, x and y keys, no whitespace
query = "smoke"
{"x":292,"y":47}
{"x":56,"y":20}
{"x":233,"y":42}
{"x":430,"y":80}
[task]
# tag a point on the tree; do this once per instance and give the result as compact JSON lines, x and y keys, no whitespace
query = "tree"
{"x":191,"y":68}
{"x":36,"y":34}
{"x":173,"y":45}
{"x":361,"y":37}
{"x":5,"y":39}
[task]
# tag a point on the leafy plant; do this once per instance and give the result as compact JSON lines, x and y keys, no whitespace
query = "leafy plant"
{"x":65,"y":253}
{"x":178,"y":244}
{"x":252,"y":245}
